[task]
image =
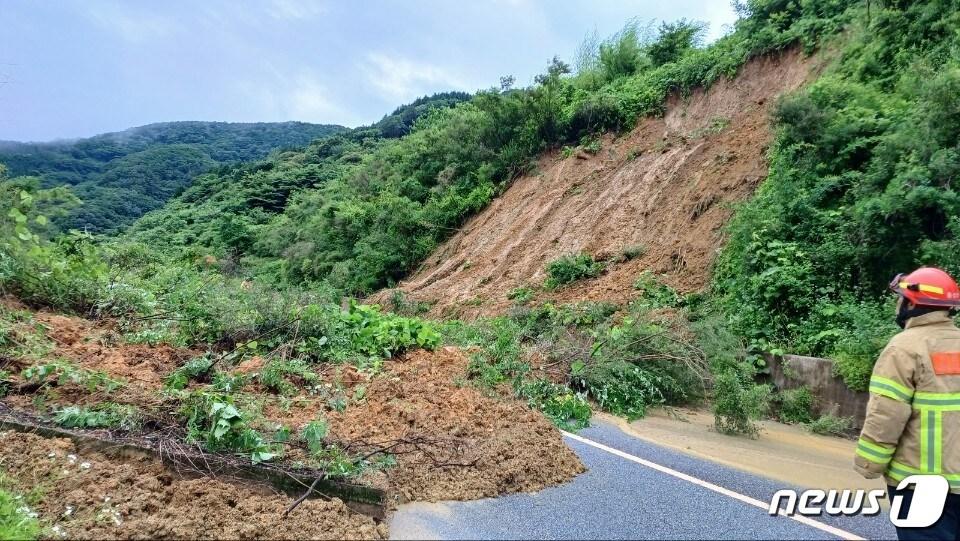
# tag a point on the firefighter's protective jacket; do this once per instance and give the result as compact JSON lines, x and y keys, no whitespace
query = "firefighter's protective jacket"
{"x":913,"y":416}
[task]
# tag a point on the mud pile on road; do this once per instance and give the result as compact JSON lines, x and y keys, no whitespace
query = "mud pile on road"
{"x":510,"y":448}
{"x":90,"y":496}
{"x":664,"y":191}
{"x":456,"y":441}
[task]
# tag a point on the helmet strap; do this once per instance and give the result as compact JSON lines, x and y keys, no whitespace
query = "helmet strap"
{"x":905,"y":313}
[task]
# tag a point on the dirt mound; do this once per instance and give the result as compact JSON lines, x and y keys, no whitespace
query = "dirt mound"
{"x":89,"y":496}
{"x":457,"y":441}
{"x":475,"y":444}
{"x":97,"y":346}
{"x":508,"y":446}
{"x":667,"y":187}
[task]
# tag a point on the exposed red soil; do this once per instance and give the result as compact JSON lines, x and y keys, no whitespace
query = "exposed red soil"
{"x":90,"y":496}
{"x":668,"y":186}
{"x":498,"y":445}
{"x":511,"y":447}
{"x":471,"y":444}
{"x":98,"y":346}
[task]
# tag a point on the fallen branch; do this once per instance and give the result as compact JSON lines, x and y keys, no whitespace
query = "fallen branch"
{"x":300,"y":500}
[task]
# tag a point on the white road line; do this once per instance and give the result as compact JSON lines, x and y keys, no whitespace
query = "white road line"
{"x":843,"y":534}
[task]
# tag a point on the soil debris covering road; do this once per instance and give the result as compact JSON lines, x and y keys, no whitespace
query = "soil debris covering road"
{"x":90,"y":496}
{"x":510,"y":447}
{"x":464,"y":442}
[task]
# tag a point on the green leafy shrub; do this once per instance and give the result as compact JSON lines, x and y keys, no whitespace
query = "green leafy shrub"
{"x":21,"y":337}
{"x":521,"y":294}
{"x":104,"y":415}
{"x":642,"y":361}
{"x":831,"y":425}
{"x":500,"y":357}
{"x":654,"y":293}
{"x":591,"y":144}
{"x":376,"y":334}
{"x":193,"y":369}
{"x":570,"y":268}
{"x":622,"y":388}
{"x":228,"y":383}
{"x":738,"y":402}
{"x":276,"y":375}
{"x":566,"y":409}
{"x":213,"y":420}
{"x":314,"y":433}
{"x":63,"y":372}
{"x":796,"y":405}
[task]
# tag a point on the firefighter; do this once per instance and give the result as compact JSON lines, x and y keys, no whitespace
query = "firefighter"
{"x":913,"y":416}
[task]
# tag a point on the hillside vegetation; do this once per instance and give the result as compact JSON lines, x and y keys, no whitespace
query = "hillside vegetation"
{"x":395,"y":200}
{"x":860,"y":188}
{"x":256,"y":257}
{"x":120,"y":176}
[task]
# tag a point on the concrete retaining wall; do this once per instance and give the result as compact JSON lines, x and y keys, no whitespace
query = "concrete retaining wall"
{"x":831,"y":394}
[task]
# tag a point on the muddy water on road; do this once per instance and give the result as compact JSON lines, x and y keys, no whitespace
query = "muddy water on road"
{"x":786,"y":453}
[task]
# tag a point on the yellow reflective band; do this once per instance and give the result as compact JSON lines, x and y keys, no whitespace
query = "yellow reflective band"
{"x":938,"y":398}
{"x":938,"y":441}
{"x":937,"y":401}
{"x":872,"y":457}
{"x":889,"y":388}
{"x":930,"y":441}
{"x":875,"y":449}
{"x":923,"y":287}
{"x":898,"y":471}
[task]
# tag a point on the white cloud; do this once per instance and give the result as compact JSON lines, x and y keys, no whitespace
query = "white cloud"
{"x":295,"y":10}
{"x":399,"y":79}
{"x":310,"y":100}
{"x":302,"y":96}
{"x":131,"y":25}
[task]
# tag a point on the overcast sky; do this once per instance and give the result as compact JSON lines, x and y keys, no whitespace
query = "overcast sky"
{"x":75,"y":68}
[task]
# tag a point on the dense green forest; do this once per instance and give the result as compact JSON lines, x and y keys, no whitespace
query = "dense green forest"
{"x":370,"y":209}
{"x":120,"y":176}
{"x":860,"y":187}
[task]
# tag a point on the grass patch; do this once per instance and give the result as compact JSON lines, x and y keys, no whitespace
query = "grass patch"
{"x":105,"y":415}
{"x":17,"y":520}
{"x":570,"y":268}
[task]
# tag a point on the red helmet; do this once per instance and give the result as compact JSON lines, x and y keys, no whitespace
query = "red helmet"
{"x":927,"y":286}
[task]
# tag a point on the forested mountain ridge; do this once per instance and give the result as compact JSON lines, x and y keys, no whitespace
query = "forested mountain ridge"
{"x":859,"y":185}
{"x":395,"y":199}
{"x":122,"y":175}
{"x":817,"y":188}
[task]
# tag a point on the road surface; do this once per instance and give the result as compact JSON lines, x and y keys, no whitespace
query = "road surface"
{"x":632,"y":489}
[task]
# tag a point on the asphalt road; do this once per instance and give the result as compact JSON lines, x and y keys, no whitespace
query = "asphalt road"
{"x":618,"y":498}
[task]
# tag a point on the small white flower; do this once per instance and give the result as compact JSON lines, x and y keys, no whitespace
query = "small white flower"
{"x":52,"y":455}
{"x":69,"y":511}
{"x":72,"y":458}
{"x":84,"y":465}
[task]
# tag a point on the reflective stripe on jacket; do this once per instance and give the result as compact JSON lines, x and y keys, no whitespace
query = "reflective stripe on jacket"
{"x":913,"y":416}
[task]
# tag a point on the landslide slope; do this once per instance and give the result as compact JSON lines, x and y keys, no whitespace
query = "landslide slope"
{"x":668,"y":186}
